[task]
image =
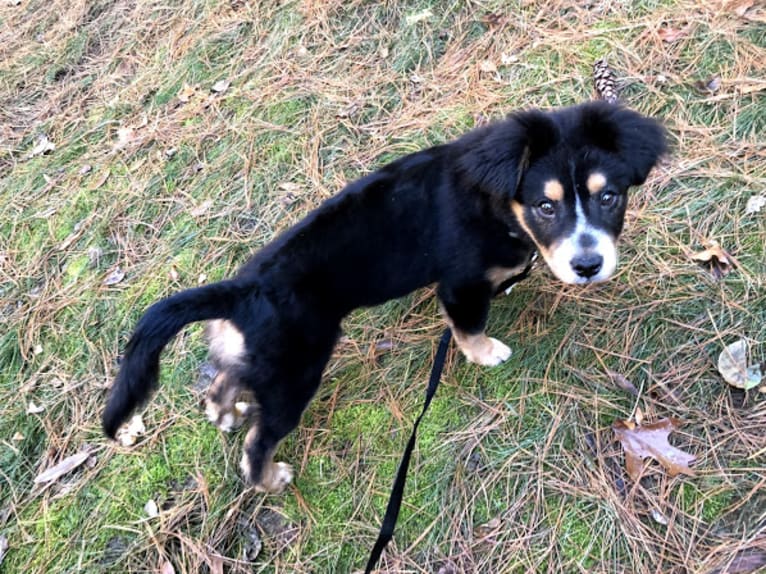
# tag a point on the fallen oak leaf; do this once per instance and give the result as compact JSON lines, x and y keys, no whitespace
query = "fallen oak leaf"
{"x":716,"y":260}
{"x":658,"y":517}
{"x":114,"y":277}
{"x":709,"y":86}
{"x":755,"y":204}
{"x":651,"y":441}
{"x":743,"y":562}
{"x":739,"y":8}
{"x":151,"y":509}
{"x":220,"y":86}
{"x":187,"y":93}
{"x":488,"y":67}
{"x":33,"y":409}
{"x":65,"y":466}
{"x":732,"y":364}
{"x":43,"y":146}
{"x":670,"y":35}
{"x":621,"y":381}
{"x":215,"y":563}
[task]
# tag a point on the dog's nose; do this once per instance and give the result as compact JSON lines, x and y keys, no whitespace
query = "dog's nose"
{"x":587,"y":265}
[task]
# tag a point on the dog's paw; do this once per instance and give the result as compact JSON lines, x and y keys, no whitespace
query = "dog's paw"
{"x":489,"y":352}
{"x":228,"y":420}
{"x":279,"y":475}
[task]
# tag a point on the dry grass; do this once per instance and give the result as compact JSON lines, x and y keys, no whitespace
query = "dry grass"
{"x":516,"y":469}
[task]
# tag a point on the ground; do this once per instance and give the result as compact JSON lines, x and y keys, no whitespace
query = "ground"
{"x":146,"y":147}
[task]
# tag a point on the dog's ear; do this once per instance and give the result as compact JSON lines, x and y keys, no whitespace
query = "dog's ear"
{"x":495,"y":157}
{"x":637,"y":139}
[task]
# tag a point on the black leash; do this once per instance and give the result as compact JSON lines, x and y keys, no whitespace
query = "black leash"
{"x":395,"y":502}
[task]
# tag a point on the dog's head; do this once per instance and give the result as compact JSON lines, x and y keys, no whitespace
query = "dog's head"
{"x":561,"y":178}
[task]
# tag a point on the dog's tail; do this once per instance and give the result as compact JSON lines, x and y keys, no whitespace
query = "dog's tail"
{"x":140,"y":364}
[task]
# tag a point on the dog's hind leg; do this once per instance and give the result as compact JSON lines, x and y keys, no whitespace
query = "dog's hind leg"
{"x":279,"y":413}
{"x":228,"y":403}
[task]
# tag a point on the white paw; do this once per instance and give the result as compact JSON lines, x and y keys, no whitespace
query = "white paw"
{"x":489,"y":353}
{"x":228,"y":421}
{"x":280,"y":475}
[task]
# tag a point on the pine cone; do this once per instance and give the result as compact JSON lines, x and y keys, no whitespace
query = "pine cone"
{"x":605,"y":81}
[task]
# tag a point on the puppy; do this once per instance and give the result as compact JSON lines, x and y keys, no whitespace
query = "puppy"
{"x":468,"y":215}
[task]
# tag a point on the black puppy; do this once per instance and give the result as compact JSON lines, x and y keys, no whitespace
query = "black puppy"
{"x":468,"y":215}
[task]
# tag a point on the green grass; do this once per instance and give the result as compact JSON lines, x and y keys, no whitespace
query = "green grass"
{"x":515,"y":469}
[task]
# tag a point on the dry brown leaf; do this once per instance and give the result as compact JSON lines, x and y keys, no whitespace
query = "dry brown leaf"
{"x":488,"y":67}
{"x":101,"y":180}
{"x":622,"y":382}
{"x":709,"y":86}
{"x":740,"y":8}
{"x":151,"y":509}
{"x":67,"y":465}
{"x":215,"y":563}
{"x":43,"y":146}
{"x":114,"y":277}
{"x":201,"y":208}
{"x":413,"y":19}
{"x":638,"y":416}
{"x":755,"y":204}
{"x":732,"y":364}
{"x":187,"y":93}
{"x":658,"y":517}
{"x":220,"y":86}
{"x":495,"y":19}
{"x":651,"y":441}
{"x":125,"y":136}
{"x":670,"y":35}
{"x":488,"y":528}
{"x":383,"y":346}
{"x":716,"y":260}
{"x":745,"y":561}
{"x":33,"y":409}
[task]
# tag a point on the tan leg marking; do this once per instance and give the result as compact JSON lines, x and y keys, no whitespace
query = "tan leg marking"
{"x":481,"y":349}
{"x":275,"y":476}
{"x":497,"y":275}
{"x":478,"y":348}
{"x":222,"y":405}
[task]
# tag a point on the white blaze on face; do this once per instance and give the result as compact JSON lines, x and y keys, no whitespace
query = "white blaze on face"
{"x":584,"y":240}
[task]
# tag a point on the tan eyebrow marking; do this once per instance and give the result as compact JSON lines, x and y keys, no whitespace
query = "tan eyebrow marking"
{"x":553,"y":190}
{"x":596,"y":182}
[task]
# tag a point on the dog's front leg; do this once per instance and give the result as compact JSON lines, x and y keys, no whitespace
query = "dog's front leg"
{"x":466,"y":307}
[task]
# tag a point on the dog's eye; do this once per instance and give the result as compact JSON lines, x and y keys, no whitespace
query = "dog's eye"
{"x":546,"y":208}
{"x":608,"y":199}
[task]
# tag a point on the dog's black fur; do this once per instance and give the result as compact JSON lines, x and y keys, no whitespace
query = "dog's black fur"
{"x":448,"y":215}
